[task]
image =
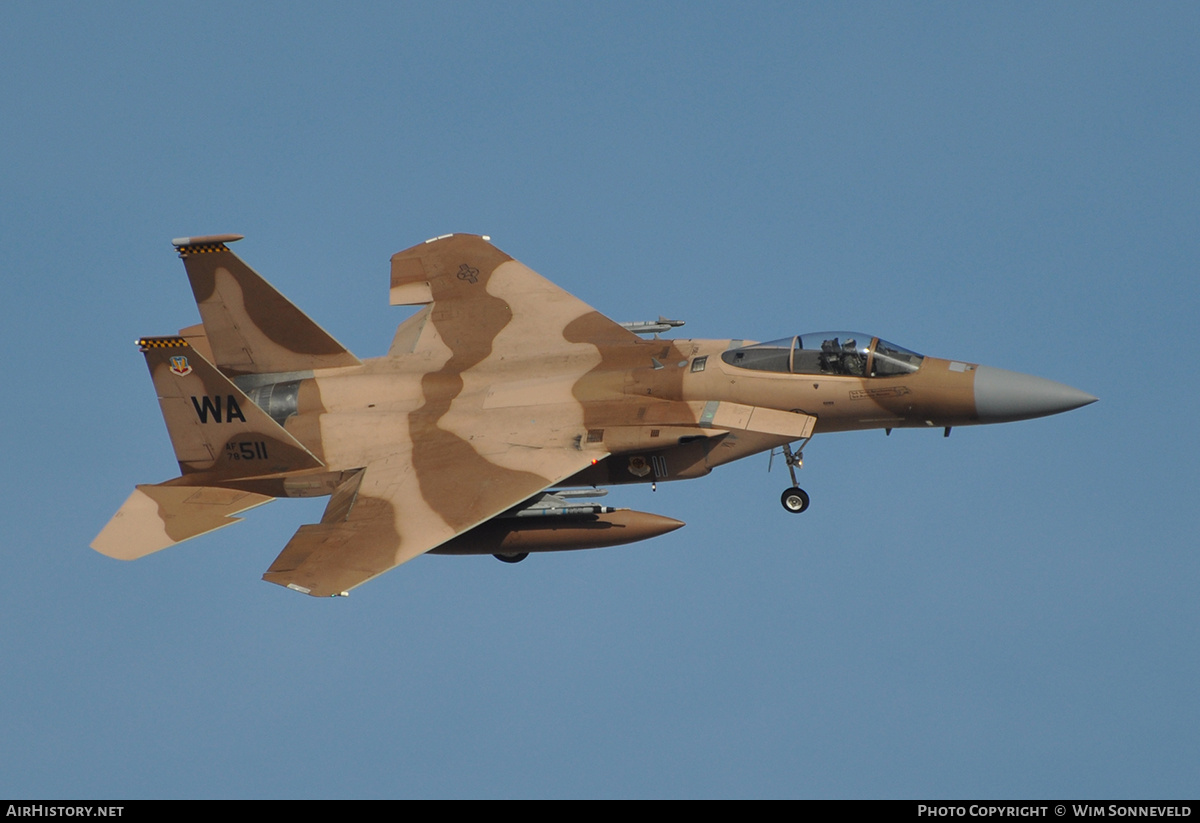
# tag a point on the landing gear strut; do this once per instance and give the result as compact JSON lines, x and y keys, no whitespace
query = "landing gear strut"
{"x":795,"y":499}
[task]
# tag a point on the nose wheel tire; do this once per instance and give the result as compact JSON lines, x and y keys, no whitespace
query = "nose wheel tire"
{"x":794,"y":500}
{"x":517,"y":558}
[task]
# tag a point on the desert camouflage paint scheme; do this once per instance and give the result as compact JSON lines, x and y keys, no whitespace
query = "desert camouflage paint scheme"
{"x":502,"y":388}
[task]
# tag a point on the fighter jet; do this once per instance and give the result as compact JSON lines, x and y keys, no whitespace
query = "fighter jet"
{"x":498,"y":412}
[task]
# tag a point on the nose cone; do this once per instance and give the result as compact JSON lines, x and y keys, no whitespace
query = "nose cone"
{"x":1001,"y":396}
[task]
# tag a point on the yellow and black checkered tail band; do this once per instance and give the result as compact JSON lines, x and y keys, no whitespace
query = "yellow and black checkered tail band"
{"x":201,"y":248}
{"x":207,"y":244}
{"x":147,"y":343}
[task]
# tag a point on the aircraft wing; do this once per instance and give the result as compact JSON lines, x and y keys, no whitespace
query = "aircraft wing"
{"x":501,"y":351}
{"x":381,"y":518}
{"x":482,"y":297}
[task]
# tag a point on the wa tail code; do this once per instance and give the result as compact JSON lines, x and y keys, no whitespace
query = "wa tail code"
{"x":212,"y":405}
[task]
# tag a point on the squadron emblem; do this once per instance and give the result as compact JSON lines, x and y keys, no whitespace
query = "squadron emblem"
{"x":468,"y":273}
{"x":179,"y":366}
{"x":638,"y":466}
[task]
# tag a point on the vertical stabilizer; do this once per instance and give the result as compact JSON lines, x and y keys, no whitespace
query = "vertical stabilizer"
{"x":252,"y":328}
{"x":214,"y":427}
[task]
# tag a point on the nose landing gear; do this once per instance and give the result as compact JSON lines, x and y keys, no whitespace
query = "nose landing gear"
{"x":794,"y":500}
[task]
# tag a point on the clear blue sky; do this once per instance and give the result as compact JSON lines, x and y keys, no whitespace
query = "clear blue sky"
{"x":1011,"y":612}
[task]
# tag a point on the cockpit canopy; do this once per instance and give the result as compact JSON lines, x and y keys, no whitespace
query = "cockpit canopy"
{"x":832,"y":352}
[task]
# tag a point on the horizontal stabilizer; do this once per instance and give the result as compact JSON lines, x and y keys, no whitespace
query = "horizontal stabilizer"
{"x":157,"y":516}
{"x":252,"y":328}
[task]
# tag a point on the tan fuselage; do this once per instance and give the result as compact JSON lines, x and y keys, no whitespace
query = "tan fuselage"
{"x":639,"y":401}
{"x":940,"y":393}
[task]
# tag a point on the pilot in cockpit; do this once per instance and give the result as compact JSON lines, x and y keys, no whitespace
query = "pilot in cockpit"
{"x":843,"y":358}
